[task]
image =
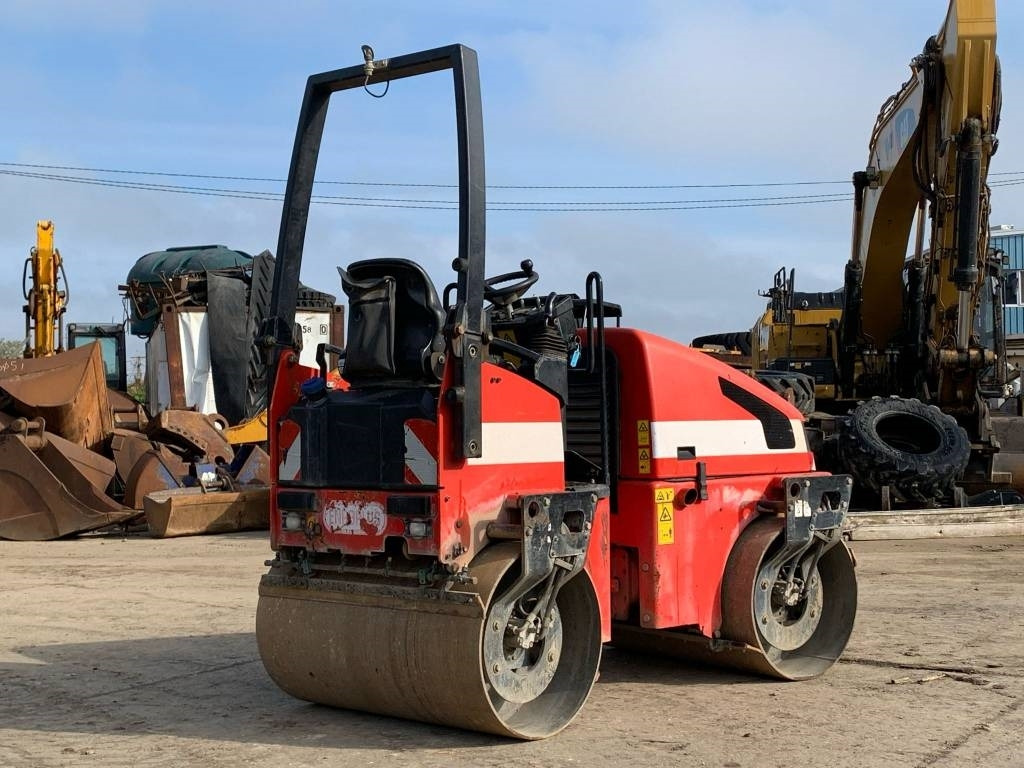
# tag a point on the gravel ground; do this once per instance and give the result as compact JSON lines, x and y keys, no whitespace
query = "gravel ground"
{"x":141,"y":652}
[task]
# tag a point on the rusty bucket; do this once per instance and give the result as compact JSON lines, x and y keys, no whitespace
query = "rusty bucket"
{"x":68,"y":390}
{"x":50,"y":487}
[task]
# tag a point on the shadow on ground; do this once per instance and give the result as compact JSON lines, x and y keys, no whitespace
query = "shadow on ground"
{"x":215,"y":687}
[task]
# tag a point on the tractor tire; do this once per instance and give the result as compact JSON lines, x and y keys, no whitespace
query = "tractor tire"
{"x":915,"y":449}
{"x":738,"y":340}
{"x":796,"y":388}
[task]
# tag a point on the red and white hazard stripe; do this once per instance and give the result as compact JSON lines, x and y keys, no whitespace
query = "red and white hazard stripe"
{"x":420,"y":461}
{"x":289,"y":441}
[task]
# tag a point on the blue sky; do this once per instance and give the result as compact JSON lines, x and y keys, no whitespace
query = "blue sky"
{"x":738,"y":91}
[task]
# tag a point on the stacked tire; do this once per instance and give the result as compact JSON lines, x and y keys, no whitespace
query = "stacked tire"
{"x":797,"y":388}
{"x":913,"y":448}
{"x":736,"y":340}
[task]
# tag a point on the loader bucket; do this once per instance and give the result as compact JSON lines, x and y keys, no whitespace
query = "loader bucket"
{"x":69,"y":390}
{"x":191,"y":511}
{"x":73,"y":464}
{"x":46,"y":494}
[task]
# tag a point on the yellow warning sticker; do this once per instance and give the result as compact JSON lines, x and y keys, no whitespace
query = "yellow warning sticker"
{"x":644,"y":461}
{"x":643,"y":432}
{"x":666,"y":532}
{"x":508,"y":335}
{"x":665,"y":514}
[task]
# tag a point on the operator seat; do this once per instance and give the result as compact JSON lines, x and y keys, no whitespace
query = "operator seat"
{"x":395,"y":324}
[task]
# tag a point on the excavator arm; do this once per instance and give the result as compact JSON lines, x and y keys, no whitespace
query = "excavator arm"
{"x":46,"y":300}
{"x":928,"y":157}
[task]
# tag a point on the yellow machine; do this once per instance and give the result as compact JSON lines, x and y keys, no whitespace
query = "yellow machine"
{"x":44,"y":312}
{"x":252,"y":430}
{"x":798,"y":332}
{"x":929,"y":158}
{"x":917,"y":337}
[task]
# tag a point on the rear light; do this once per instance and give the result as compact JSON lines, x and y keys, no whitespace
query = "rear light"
{"x":417,"y":529}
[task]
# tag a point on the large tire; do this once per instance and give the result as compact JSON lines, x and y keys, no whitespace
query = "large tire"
{"x":738,"y":340}
{"x":797,"y":388}
{"x":915,"y":449}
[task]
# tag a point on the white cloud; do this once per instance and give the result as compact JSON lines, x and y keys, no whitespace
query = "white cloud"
{"x":672,"y":92}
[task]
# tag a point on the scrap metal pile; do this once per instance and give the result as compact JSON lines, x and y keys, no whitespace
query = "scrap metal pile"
{"x":199,"y":308}
{"x":76,"y":456}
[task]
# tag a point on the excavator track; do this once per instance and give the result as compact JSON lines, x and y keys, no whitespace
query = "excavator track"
{"x":760,"y":632}
{"x":439,"y":656}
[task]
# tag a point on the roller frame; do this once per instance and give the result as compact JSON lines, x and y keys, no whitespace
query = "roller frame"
{"x":809,"y":523}
{"x":554,"y":549}
{"x":373,"y":645}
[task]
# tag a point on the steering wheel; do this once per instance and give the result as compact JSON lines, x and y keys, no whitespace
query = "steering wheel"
{"x":506,"y":294}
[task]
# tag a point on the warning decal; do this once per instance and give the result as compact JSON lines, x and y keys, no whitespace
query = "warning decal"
{"x":643,"y":432}
{"x":509,"y":335}
{"x":644,"y":461}
{"x":665,"y":514}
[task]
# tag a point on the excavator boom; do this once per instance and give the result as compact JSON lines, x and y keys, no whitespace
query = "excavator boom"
{"x":46,"y":300}
{"x":929,"y":151}
{"x":902,"y":358}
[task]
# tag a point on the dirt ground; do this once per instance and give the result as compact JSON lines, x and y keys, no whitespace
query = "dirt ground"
{"x":137,"y":652}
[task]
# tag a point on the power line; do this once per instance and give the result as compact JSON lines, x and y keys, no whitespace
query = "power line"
{"x":267,"y":179}
{"x":170,"y":174}
{"x":536,"y":206}
{"x":427,"y":204}
{"x":274,"y":197}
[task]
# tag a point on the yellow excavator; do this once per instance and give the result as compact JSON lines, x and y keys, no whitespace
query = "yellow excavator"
{"x":906,"y":356}
{"x":45,"y":297}
{"x":930,"y":153}
{"x":55,"y":417}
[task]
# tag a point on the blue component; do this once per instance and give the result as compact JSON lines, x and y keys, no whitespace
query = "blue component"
{"x":313,"y":387}
{"x":575,"y":358}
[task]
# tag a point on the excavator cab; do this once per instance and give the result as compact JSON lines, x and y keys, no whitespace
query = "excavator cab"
{"x":110,"y":337}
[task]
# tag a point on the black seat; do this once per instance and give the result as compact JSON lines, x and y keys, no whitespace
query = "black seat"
{"x":395,"y":323}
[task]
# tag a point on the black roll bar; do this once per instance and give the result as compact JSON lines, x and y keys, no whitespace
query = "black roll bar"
{"x":465,"y":329}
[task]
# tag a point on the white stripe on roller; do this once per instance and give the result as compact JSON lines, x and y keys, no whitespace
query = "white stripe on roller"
{"x":418,"y":459}
{"x":733,"y":437}
{"x":515,"y":442}
{"x":289,"y":469}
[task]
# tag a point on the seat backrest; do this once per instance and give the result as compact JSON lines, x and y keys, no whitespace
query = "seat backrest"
{"x":395,"y":323}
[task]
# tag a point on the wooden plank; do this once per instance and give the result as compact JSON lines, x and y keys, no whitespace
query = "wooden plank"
{"x":964,"y":522}
{"x":948,"y":531}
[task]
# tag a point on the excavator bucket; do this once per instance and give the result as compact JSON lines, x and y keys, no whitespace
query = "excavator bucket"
{"x":68,"y":390}
{"x":190,"y":511}
{"x":52,"y":488}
